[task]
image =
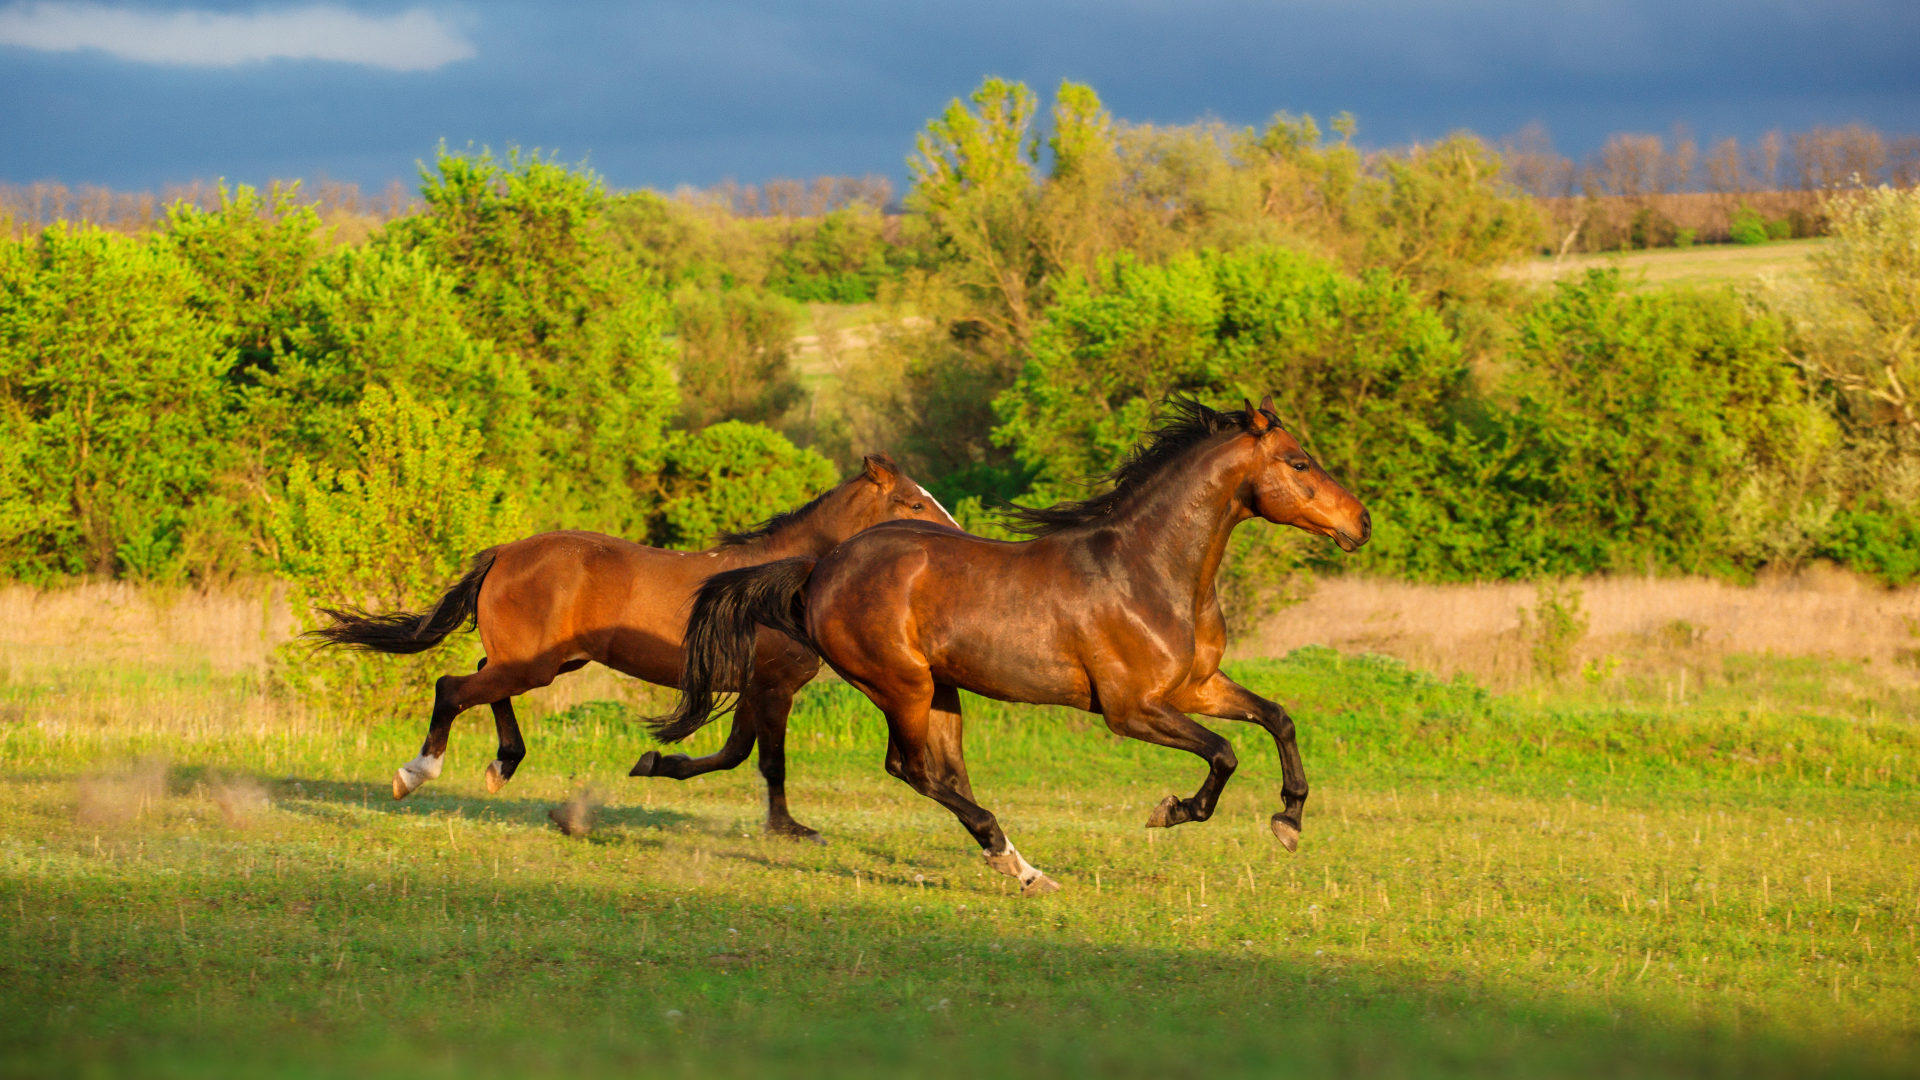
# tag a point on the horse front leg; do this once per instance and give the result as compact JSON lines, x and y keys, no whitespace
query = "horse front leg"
{"x":1228,"y":700}
{"x":1164,"y":725}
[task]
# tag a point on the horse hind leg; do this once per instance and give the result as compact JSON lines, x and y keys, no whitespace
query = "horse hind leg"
{"x":738,"y":747}
{"x":512,"y":748}
{"x":426,"y":765}
{"x":452,"y":695}
{"x":927,"y":754}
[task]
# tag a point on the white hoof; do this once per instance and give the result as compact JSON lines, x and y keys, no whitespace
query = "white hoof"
{"x":495,"y":779}
{"x":414,"y":773}
{"x":1010,"y":863}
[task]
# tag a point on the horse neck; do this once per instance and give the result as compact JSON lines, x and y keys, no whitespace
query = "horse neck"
{"x":815,"y":534}
{"x":1184,"y":517}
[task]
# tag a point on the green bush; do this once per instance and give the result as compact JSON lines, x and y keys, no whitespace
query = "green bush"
{"x":1883,"y":545}
{"x":1748,"y":227}
{"x":383,"y":317}
{"x":387,"y":532}
{"x":1362,"y":372}
{"x":112,"y":374}
{"x":1630,"y":418}
{"x":728,"y":477}
{"x":525,"y":244}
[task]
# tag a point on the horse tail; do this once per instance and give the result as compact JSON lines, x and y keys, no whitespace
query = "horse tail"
{"x":411,"y":631}
{"x":718,"y":651}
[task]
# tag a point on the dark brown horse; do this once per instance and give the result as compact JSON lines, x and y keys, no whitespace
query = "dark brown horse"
{"x":1111,"y":609}
{"x":555,"y":602}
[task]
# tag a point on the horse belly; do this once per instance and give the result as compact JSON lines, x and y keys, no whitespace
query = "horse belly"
{"x":1011,"y":664}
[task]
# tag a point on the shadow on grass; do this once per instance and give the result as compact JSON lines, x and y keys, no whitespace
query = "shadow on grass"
{"x":600,"y":979}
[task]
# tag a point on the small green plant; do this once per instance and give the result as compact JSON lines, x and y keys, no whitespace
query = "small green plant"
{"x":1748,"y":227}
{"x":1554,"y":626}
{"x":1596,"y":672}
{"x":1685,"y":238}
{"x":1681,"y":634}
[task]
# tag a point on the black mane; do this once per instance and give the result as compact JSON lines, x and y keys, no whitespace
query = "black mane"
{"x":773,"y":524}
{"x":1189,"y":423}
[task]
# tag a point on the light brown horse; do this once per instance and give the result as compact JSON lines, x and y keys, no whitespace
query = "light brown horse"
{"x":555,"y":602}
{"x":1111,"y":609}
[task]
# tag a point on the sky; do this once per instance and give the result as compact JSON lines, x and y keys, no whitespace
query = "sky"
{"x":138,"y":96}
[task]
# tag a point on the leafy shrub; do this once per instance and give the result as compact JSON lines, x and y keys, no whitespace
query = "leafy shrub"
{"x":524,"y":244}
{"x":112,"y":375}
{"x":728,"y":477}
{"x":734,"y":354}
{"x":1554,"y":626}
{"x":387,"y":532}
{"x":1883,"y":545}
{"x":1362,"y":372}
{"x":384,"y":317}
{"x":1631,"y":417}
{"x":1748,"y":227}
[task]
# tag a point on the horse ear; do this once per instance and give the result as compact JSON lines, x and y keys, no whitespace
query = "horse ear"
{"x":1257,"y":421}
{"x":880,"y":469}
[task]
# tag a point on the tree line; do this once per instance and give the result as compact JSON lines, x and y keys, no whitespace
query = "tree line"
{"x":240,"y":390}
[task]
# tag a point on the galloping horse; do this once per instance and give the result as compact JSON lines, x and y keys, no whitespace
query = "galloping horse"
{"x":551,"y":603}
{"x":1110,"y":609}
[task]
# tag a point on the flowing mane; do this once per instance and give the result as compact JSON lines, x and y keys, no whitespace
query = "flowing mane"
{"x":1189,"y":423}
{"x":781,"y":520}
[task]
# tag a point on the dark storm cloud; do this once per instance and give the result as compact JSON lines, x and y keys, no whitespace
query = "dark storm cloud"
{"x":667,"y":93}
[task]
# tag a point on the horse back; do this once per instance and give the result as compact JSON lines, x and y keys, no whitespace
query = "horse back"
{"x":589,"y":596}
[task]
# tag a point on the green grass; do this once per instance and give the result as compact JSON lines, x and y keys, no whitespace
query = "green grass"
{"x":1703,"y":264}
{"x":1565,"y":883}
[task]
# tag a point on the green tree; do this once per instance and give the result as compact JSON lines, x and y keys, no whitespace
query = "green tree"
{"x":380,"y":316}
{"x":112,"y":378}
{"x":1363,"y":373}
{"x":735,"y":359}
{"x":1632,"y":417}
{"x":525,"y":242}
{"x":252,"y":253}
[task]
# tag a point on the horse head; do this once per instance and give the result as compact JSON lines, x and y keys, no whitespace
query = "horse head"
{"x":881,"y":492}
{"x":1290,"y":487}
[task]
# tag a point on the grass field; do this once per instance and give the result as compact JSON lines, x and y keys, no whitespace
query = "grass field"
{"x":200,"y":879}
{"x":1705,"y":264}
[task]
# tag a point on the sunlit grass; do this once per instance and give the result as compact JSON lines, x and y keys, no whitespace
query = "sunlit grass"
{"x":1550,"y":882}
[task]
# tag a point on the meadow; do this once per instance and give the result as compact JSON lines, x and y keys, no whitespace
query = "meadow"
{"x":1590,"y":877}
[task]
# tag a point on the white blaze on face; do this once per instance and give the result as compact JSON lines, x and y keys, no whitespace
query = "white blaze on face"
{"x":936,"y":503}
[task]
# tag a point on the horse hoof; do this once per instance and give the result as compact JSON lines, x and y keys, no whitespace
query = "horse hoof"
{"x":793,"y":830}
{"x":495,"y":779}
{"x":1286,"y":832}
{"x":647,"y":763}
{"x":1162,"y":816}
{"x":1040,"y":886}
{"x":400,"y":788}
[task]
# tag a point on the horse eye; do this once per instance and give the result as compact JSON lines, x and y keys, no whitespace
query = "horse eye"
{"x":1300,"y":466}
{"x":918,"y":506}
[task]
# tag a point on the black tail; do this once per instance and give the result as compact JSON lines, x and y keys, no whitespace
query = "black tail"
{"x":407,"y":631}
{"x":727,"y":616}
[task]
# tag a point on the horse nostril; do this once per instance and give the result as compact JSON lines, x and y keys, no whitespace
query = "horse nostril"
{"x":1366,"y":525}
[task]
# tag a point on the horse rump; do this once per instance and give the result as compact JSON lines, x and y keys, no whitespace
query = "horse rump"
{"x":717,"y":652}
{"x":409,"y":632}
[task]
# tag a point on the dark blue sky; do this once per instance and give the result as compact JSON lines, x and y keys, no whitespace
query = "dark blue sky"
{"x":661,"y":94}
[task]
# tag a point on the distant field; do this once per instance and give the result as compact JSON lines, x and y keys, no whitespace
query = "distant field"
{"x":1703,"y":265}
{"x":1594,"y":880}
